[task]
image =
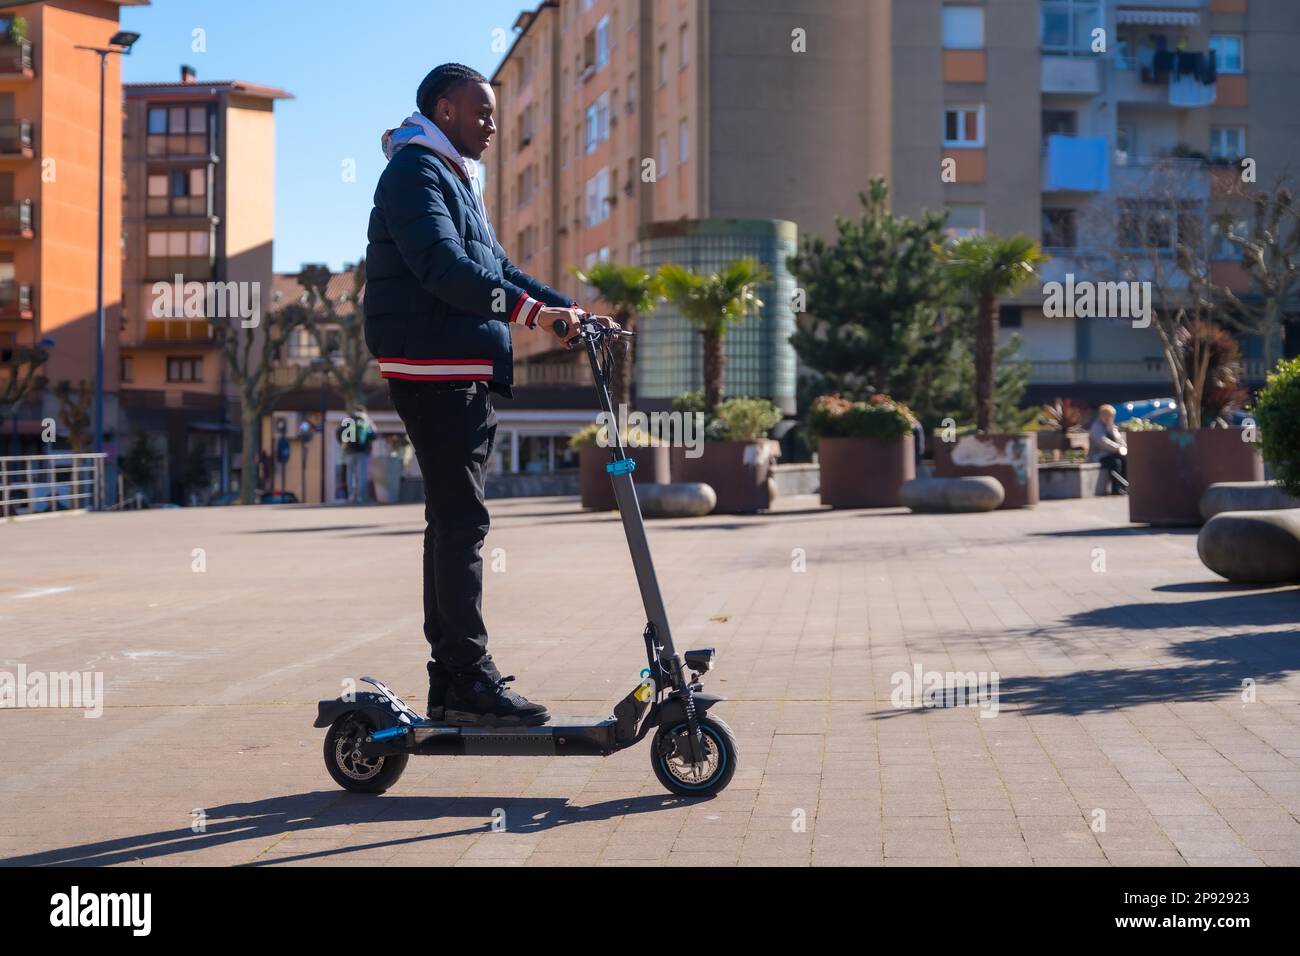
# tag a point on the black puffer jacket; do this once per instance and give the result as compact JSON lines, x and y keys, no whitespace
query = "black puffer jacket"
{"x":440,"y":291}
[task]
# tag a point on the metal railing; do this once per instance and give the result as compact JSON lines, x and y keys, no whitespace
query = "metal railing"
{"x":42,"y":484}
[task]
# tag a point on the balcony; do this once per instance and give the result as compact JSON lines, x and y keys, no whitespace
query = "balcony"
{"x":1072,"y":75}
{"x":1136,"y":86}
{"x":15,"y":300}
{"x":16,"y":60}
{"x":1163,"y":178}
{"x":1076,"y":164}
{"x":1075,"y":372}
{"x":16,"y":139}
{"x":16,"y":220}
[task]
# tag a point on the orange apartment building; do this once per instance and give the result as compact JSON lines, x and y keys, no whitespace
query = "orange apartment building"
{"x":199,"y":202}
{"x":49,"y":191}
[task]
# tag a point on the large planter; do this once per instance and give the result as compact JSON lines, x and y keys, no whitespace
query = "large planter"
{"x":1011,"y":459}
{"x":865,"y":472}
{"x":1168,"y":471}
{"x":738,"y":472}
{"x":594,"y":484}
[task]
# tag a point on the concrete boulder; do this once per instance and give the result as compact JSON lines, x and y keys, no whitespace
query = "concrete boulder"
{"x":1252,"y":547}
{"x":1244,"y":496}
{"x":972,"y":493}
{"x":684,"y":499}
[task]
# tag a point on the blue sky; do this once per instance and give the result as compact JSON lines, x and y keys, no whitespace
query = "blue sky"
{"x":353,"y":68}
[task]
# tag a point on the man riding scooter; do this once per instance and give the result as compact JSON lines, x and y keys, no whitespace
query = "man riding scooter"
{"x":441,"y":296}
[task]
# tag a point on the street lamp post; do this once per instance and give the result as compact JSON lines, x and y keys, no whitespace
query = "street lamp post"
{"x":120,"y":43}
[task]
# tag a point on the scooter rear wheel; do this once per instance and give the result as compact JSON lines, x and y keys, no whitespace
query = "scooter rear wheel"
{"x":672,"y":765}
{"x":352,"y":770}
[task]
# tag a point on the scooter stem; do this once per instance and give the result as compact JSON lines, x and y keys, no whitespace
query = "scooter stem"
{"x":630,"y":511}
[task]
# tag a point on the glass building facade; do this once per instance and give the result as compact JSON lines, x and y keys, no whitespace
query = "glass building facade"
{"x":759,"y":359}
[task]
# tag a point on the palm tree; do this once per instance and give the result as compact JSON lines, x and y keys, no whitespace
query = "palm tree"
{"x":629,"y":292}
{"x":711,"y":303}
{"x":990,"y":267}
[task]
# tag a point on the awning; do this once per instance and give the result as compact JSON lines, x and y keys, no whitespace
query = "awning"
{"x":1165,"y":18}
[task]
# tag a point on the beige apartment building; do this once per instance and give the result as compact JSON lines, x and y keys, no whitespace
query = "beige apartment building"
{"x":199,"y":203}
{"x":1009,"y":114}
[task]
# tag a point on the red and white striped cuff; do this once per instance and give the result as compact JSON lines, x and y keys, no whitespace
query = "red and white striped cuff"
{"x":526,"y":311}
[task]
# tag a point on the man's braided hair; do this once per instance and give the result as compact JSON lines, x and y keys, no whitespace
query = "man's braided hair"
{"x":440,"y":82}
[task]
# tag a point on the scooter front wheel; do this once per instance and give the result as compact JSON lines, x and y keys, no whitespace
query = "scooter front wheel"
{"x":670,"y":756}
{"x":349,"y":767}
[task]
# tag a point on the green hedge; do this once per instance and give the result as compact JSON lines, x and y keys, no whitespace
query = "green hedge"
{"x":1278,"y":415}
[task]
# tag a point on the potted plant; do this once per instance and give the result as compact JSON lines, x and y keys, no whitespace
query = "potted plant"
{"x":592,"y":445}
{"x":1277,"y":413}
{"x":1061,"y":427}
{"x":737,"y":456}
{"x":1170,"y":469}
{"x":991,"y":267}
{"x":712,"y":303}
{"x":866,"y":450}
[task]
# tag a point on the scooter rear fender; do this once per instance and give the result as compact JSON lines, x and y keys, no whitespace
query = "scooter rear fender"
{"x":374,"y":706}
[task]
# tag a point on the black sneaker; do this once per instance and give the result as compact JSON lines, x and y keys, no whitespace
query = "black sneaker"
{"x":480,"y":698}
{"x":439,"y":681}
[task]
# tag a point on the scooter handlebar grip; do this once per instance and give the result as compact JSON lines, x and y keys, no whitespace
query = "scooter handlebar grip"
{"x":561,"y":328}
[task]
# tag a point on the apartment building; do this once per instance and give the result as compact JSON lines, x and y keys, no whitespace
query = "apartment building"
{"x":199,"y":204}
{"x":49,"y":193}
{"x":602,"y":153}
{"x":1013,"y":115}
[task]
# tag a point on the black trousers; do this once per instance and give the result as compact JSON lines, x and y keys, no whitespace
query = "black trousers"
{"x":453,"y":428}
{"x":1115,"y":464}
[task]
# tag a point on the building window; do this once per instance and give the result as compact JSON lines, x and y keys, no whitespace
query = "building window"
{"x":963,"y":126}
{"x":1067,"y":25}
{"x":631,"y":93}
{"x":683,"y":142}
{"x":178,"y":131}
{"x":597,"y":122}
{"x":683,"y":47}
{"x":1227,"y":142}
{"x":663,"y":64}
{"x":1160,"y":225}
{"x":180,"y":192}
{"x":1221,"y":247}
{"x":661,"y":156}
{"x":1010,"y":316}
{"x":1059,"y":228}
{"x":1229,"y":53}
{"x":184,"y":369}
{"x":964,"y":221}
{"x":598,"y":198}
{"x":602,"y":42}
{"x":1059,"y":123}
{"x":963,"y":28}
{"x":1126,"y":140}
{"x":178,"y":252}
{"x":126,"y":370}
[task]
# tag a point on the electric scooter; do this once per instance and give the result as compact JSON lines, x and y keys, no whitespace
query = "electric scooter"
{"x":372,"y":735}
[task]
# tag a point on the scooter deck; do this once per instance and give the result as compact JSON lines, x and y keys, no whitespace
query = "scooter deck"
{"x":593,"y":736}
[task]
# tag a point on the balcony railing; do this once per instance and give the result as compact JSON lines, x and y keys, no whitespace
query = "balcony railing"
{"x":15,"y":300}
{"x":16,"y":58}
{"x":15,"y":138}
{"x":552,"y":373}
{"x":16,"y":219}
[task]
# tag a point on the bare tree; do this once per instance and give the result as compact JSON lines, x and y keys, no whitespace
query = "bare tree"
{"x":252,"y":356}
{"x":341,"y":332}
{"x":19,"y":377}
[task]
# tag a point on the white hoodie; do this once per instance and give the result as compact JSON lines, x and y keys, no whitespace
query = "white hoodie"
{"x":420,"y":130}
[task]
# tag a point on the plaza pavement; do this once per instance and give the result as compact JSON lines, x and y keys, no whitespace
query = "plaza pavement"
{"x":1123,"y":734}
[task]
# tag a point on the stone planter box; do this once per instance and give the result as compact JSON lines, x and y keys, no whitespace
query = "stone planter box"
{"x":1072,"y":479}
{"x":865,"y":472}
{"x":594,"y":485}
{"x":1011,"y":459}
{"x":1169,"y":471}
{"x":740,"y":473}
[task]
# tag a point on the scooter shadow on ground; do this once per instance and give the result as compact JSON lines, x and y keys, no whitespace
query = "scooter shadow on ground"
{"x":263,"y":820}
